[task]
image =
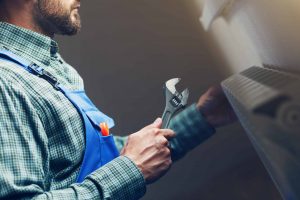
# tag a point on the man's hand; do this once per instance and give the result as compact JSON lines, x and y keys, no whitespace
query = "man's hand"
{"x":215,"y":107}
{"x":148,"y":149}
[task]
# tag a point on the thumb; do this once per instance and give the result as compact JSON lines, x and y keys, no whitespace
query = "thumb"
{"x":157,"y":123}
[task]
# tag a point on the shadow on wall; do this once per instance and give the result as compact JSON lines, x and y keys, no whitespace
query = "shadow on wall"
{"x":125,"y":52}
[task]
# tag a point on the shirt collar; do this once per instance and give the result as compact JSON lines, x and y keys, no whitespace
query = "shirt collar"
{"x":29,"y":44}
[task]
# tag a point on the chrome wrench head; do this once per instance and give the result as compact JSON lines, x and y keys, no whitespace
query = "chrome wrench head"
{"x":175,"y":101}
{"x":180,"y":99}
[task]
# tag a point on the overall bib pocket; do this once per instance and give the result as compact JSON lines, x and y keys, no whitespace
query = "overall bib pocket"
{"x":108,"y":149}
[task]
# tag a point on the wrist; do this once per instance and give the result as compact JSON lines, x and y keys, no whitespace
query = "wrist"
{"x":120,"y":179}
{"x":208,"y":117}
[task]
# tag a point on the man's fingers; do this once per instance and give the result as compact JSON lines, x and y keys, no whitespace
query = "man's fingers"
{"x":156,"y":124}
{"x":168,"y":133}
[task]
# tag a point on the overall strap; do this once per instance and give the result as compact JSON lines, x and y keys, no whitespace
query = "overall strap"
{"x":30,"y":67}
{"x":76,"y":97}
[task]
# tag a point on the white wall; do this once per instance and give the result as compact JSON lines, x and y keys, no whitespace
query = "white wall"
{"x":253,"y":32}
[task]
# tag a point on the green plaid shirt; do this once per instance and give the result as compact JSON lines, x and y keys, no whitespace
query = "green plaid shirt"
{"x":42,"y":138}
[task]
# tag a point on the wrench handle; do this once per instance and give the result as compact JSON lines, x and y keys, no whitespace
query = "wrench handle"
{"x":166,"y":118}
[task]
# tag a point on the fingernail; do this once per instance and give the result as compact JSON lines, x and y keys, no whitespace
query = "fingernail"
{"x":157,"y":121}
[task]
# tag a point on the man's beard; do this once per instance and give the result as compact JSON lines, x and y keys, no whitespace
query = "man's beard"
{"x":54,"y":19}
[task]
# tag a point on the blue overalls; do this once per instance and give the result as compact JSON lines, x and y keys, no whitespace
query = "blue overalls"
{"x":99,"y":149}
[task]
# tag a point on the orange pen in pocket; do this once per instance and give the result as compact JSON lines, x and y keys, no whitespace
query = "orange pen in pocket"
{"x":104,"y":129}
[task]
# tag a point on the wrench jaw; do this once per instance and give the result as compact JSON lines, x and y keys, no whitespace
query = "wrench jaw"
{"x":170,"y":85}
{"x":179,"y":100}
{"x":185,"y":96}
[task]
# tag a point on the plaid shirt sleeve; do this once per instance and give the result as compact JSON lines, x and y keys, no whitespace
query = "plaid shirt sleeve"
{"x":120,"y":142}
{"x":24,"y":159}
{"x":120,"y":179}
{"x":191,"y":130}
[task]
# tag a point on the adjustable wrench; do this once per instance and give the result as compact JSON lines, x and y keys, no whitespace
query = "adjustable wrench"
{"x":175,"y":101}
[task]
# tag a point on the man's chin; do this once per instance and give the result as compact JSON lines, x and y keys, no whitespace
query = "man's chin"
{"x":69,"y":28}
{"x":70,"y":31}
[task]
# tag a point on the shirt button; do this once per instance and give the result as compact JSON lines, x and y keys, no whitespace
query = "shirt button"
{"x":53,"y":50}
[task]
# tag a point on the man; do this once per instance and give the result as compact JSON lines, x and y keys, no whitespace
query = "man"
{"x":42,"y":134}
